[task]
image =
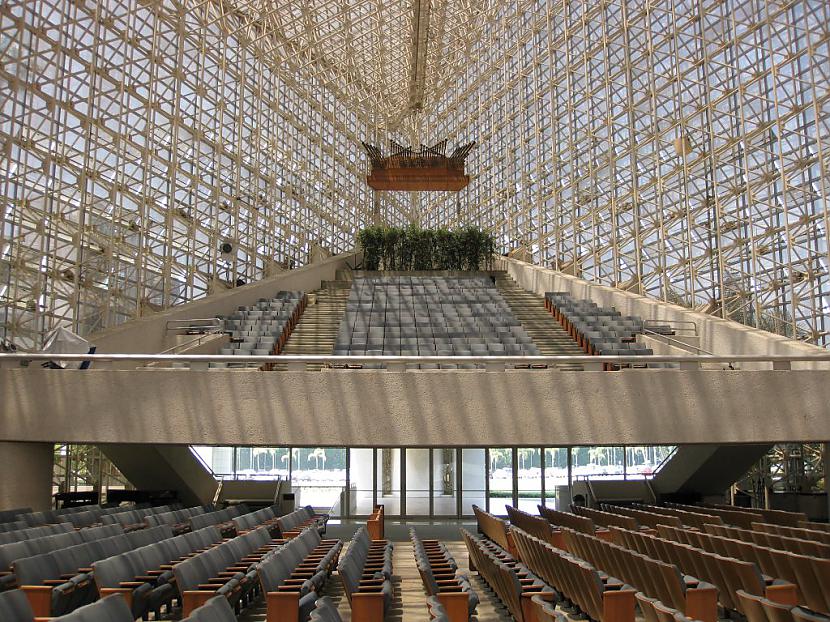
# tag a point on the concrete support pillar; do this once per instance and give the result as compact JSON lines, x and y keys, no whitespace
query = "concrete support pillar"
{"x":27,"y":475}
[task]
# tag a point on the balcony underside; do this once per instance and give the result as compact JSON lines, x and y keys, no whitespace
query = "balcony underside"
{"x":442,"y":408}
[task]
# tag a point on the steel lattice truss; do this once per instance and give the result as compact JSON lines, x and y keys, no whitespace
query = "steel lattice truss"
{"x":677,"y":148}
{"x":139,"y":136}
{"x":671,"y":147}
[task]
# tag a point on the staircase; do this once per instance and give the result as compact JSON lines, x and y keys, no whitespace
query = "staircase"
{"x":316,"y":331}
{"x":546,"y":332}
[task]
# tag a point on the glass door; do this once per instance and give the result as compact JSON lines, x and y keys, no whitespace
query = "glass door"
{"x":444,"y":482}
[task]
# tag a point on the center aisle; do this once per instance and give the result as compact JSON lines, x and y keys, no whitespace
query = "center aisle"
{"x":409,"y":600}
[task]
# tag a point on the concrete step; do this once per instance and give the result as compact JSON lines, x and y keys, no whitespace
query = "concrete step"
{"x":543,"y":329}
{"x":316,"y":331}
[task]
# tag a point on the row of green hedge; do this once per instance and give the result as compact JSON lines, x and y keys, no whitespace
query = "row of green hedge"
{"x":413,"y":248}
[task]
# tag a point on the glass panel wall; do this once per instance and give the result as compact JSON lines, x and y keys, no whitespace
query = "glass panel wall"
{"x":318,"y":476}
{"x":444,"y":482}
{"x":361,"y":479}
{"x":417,"y":482}
{"x":473,"y":480}
{"x":500,"y":479}
{"x":423,"y":482}
{"x":529,"y":479}
{"x":556,"y":473}
{"x":389,"y":479}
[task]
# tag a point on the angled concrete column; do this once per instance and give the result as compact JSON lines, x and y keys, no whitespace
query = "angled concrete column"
{"x":27,"y":475}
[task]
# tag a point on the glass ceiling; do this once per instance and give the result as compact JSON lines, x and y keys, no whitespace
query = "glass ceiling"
{"x":680,"y":149}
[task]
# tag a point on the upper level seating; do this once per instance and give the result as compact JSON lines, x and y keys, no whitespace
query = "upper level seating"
{"x":656,"y":579}
{"x":598,"y":330}
{"x":262,"y":329}
{"x":604,"y":599}
{"x":512,"y":581}
{"x":366,"y":572}
{"x":429,"y":316}
{"x":442,"y":580}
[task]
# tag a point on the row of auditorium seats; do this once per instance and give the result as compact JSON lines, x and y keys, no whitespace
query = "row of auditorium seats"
{"x":81,"y":516}
{"x":512,"y":581}
{"x":810,"y":575}
{"x":179,"y":519}
{"x":697,"y":518}
{"x":600,"y":597}
{"x":815,"y":533}
{"x":228,"y":569}
{"x":760,"y":609}
{"x":430,"y":316}
{"x":293,"y":575}
{"x":132,"y":519}
{"x":30,"y":547}
{"x":598,"y":330}
{"x":576,"y":522}
{"x":263,"y":328}
{"x":644,"y":518}
{"x":800,"y":546}
{"x":366,"y":572}
{"x":777,"y":517}
{"x":726,"y":573}
{"x":442,"y":580}
{"x":144,"y":575}
{"x":495,"y":528}
{"x":537,"y":526}
{"x":655,"y":579}
{"x":59,"y":581}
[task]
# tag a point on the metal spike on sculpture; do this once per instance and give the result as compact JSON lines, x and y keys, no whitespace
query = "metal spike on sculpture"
{"x":428,"y":168}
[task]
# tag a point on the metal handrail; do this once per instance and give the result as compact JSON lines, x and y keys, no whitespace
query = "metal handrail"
{"x":214,"y":323}
{"x":672,"y":323}
{"x":683,"y":343}
{"x":398,"y":359}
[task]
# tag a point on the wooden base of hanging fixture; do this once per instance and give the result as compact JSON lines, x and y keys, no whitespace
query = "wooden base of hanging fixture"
{"x":428,"y":169}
